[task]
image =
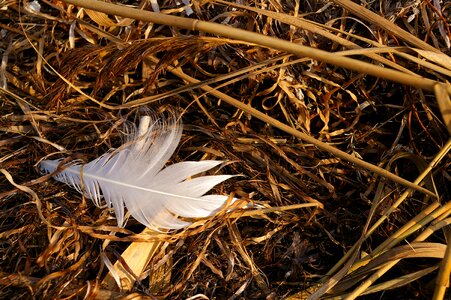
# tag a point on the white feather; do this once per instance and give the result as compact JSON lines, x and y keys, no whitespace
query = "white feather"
{"x":133,"y":177}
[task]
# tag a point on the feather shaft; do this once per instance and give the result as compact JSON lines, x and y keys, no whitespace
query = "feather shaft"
{"x":53,"y":164}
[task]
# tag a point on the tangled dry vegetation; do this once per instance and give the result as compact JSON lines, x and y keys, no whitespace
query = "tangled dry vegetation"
{"x":287,"y":102}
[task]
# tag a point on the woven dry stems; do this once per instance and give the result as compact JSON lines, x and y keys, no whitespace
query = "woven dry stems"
{"x":53,"y":240}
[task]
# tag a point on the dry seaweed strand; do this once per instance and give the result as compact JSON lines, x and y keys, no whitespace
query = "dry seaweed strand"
{"x":57,"y":250}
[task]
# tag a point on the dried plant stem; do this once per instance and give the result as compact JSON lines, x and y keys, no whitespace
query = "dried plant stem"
{"x":262,"y":211}
{"x":385,"y":24}
{"x":443,"y":281}
{"x":258,"y":39}
{"x":444,"y":104}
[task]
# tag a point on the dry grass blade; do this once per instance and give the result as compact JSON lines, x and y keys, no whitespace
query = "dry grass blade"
{"x":398,"y":282}
{"x":28,"y":191}
{"x":438,"y":58}
{"x":444,"y":103}
{"x":101,"y":294}
{"x":431,"y":66}
{"x":444,"y":275}
{"x":373,"y":18}
{"x":383,"y":286}
{"x":237,"y":240}
{"x":257,"y":39}
{"x":263,"y":211}
{"x":301,"y":23}
{"x":428,"y":251}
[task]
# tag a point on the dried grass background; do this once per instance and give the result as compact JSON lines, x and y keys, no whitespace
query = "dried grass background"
{"x":70,"y":77}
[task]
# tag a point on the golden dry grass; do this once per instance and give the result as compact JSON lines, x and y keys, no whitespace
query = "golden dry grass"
{"x":336,"y":116}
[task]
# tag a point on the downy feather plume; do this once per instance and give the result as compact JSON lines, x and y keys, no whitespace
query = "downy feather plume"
{"x":133,"y":177}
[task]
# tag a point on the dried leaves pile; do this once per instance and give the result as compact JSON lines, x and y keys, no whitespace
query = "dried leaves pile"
{"x":71,"y":76}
